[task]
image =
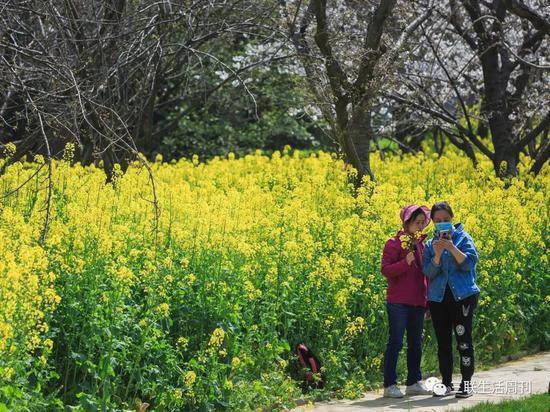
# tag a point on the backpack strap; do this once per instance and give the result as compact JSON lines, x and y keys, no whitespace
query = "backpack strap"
{"x":314,"y":364}
{"x":303,"y":352}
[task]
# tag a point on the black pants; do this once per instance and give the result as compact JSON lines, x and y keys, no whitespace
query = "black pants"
{"x":447,"y":316}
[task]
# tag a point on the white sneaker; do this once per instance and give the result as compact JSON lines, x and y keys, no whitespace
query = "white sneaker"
{"x":418,"y":388}
{"x":392,"y":392}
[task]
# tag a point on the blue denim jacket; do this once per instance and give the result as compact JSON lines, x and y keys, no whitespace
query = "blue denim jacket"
{"x":461,"y":278}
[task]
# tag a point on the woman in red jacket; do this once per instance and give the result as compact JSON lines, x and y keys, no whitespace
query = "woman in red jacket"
{"x":405,"y":300}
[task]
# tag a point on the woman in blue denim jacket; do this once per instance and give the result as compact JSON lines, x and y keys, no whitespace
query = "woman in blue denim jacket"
{"x":449,"y":262}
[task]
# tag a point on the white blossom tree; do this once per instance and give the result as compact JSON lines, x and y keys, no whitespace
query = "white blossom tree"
{"x":347,"y":50}
{"x":482,"y":68}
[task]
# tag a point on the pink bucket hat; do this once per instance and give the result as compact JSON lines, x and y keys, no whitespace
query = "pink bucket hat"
{"x":407,"y":212}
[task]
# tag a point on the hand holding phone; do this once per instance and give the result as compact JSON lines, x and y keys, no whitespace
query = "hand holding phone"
{"x":438,"y":247}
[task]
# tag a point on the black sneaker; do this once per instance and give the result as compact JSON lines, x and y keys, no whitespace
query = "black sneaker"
{"x":464,"y":393}
{"x":448,"y":391}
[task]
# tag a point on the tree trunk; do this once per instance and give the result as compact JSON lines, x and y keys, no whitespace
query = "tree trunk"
{"x":497,"y":110}
{"x":504,"y":142}
{"x":542,"y":157}
{"x":358,"y":135}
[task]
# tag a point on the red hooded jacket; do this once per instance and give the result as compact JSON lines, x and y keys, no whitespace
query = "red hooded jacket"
{"x":406,"y":284}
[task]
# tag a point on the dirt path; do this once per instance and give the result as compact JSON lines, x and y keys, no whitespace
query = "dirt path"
{"x":512,"y":380}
